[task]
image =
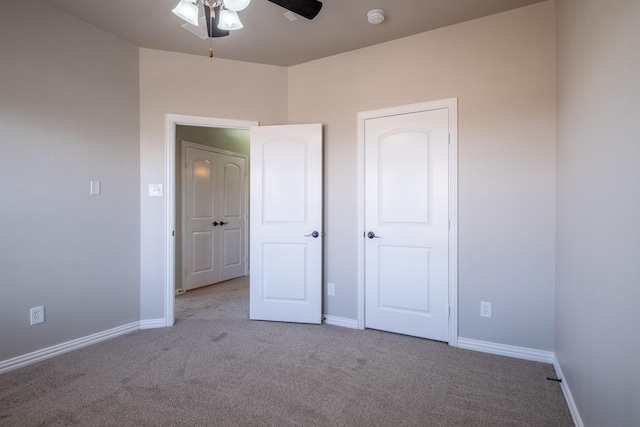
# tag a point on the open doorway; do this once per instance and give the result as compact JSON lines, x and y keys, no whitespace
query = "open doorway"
{"x":172,"y":122}
{"x":211,"y":205}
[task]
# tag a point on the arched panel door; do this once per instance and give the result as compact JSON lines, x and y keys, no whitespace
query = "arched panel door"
{"x":286,"y":223}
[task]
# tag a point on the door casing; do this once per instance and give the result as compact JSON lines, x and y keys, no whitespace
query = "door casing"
{"x":452,"y":105}
{"x":171,"y":121}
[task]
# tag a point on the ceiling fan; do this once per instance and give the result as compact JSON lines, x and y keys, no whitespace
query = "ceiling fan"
{"x":307,"y":8}
{"x":221,"y":15}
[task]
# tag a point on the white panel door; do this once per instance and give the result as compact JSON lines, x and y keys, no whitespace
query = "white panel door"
{"x":214,"y":216}
{"x":231,"y":213}
{"x":407,"y":224}
{"x":200,"y":211}
{"x":286,"y":223}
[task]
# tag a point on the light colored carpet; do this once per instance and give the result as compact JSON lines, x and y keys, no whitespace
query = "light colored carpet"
{"x":217,"y":368}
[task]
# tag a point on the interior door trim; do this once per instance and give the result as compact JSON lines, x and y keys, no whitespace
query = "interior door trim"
{"x":171,"y":121}
{"x":452,"y":105}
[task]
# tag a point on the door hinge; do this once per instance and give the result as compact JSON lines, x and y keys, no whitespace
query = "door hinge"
{"x":449,"y":141}
{"x":173,"y":233}
{"x":449,"y":311}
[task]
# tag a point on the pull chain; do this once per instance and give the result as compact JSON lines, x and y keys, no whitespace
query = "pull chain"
{"x":212,"y":16}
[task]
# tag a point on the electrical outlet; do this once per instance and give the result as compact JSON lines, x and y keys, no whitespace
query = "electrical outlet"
{"x":485,"y":309}
{"x":155,"y":190}
{"x":37,"y":315}
{"x":331,"y":289}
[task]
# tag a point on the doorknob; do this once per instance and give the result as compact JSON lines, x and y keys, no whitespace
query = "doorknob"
{"x":215,"y":223}
{"x":372,"y":235}
{"x":315,"y":235}
{"x":223,"y":223}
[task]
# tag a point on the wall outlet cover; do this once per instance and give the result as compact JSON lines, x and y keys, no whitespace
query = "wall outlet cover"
{"x":37,"y":315}
{"x":485,"y":309}
{"x":331,"y":289}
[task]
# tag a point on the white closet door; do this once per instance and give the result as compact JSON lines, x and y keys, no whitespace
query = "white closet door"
{"x":407,"y":224}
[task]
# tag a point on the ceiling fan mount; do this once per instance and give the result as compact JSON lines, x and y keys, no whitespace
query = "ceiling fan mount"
{"x":307,"y":8}
{"x":221,"y":15}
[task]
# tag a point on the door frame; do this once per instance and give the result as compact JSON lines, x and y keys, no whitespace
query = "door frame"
{"x":171,"y":121}
{"x":452,"y":105}
{"x":183,"y":146}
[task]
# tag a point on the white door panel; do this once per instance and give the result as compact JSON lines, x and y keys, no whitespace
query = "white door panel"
{"x":286,"y":208}
{"x":277,"y":258}
{"x":283,"y":188}
{"x":200,"y":246}
{"x":231,"y":246}
{"x":409,"y":150}
{"x":406,"y":207}
{"x":203,"y":251}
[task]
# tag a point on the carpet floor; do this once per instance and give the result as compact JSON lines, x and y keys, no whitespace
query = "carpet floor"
{"x":215,"y":367}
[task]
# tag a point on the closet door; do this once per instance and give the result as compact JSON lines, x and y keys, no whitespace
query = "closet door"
{"x":407,"y":223}
{"x":200,"y":218}
{"x":214,"y":245}
{"x":231,"y":203}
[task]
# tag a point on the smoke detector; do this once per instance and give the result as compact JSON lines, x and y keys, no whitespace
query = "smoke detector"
{"x":375,"y":16}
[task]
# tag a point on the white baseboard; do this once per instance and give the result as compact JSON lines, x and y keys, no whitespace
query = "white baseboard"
{"x":153,"y":323}
{"x":506,"y":350}
{"x":341,"y":321}
{"x":568,"y":397}
{"x":46,"y":353}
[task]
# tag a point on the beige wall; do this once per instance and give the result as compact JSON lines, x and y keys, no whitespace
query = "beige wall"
{"x":68,"y":115}
{"x":598,"y":239}
{"x":173,"y":83}
{"x":87,"y":106}
{"x":502,"y":69}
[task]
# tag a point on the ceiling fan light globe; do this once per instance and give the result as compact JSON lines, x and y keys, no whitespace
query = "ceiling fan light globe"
{"x":236,"y":5}
{"x":188,"y":11}
{"x":229,"y":20}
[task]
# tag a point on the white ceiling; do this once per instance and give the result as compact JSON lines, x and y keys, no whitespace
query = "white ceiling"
{"x":268,"y":37}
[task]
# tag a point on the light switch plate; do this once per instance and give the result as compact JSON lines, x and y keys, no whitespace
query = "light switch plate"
{"x":95,"y":188}
{"x":155,"y":190}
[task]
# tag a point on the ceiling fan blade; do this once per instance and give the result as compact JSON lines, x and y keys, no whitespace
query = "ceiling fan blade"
{"x":307,"y":8}
{"x":212,"y":23}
